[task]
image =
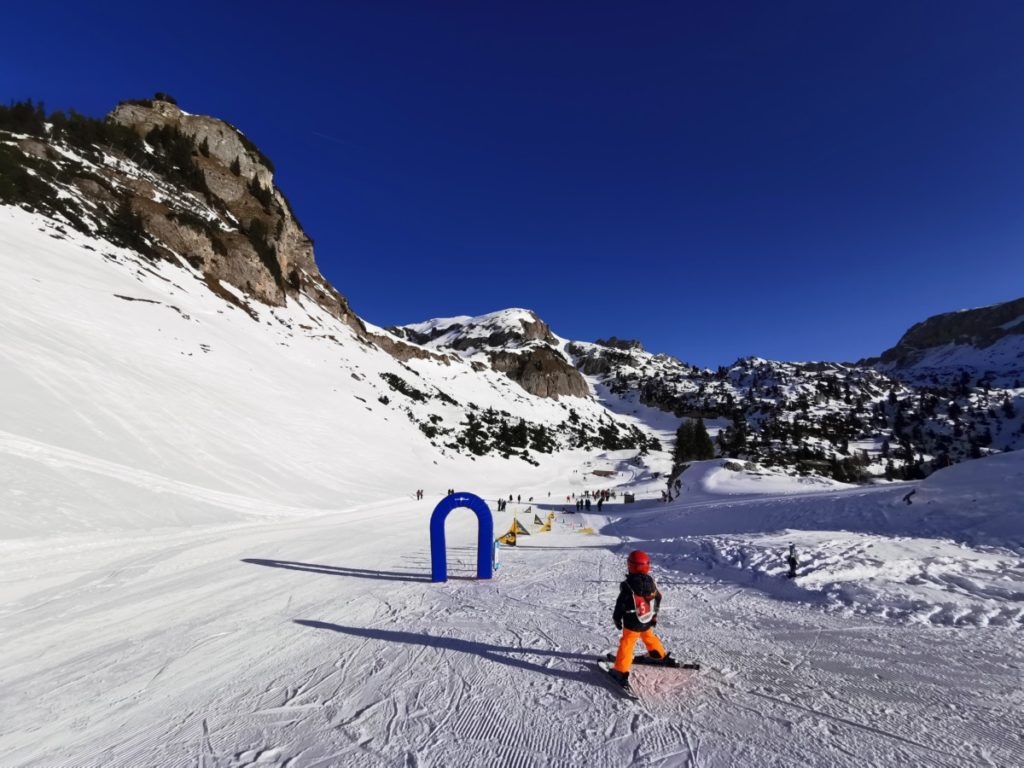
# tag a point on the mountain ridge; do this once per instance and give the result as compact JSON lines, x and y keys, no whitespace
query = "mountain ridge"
{"x":192,"y":191}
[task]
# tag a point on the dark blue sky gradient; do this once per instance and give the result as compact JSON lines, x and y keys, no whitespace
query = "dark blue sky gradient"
{"x":791,"y":180}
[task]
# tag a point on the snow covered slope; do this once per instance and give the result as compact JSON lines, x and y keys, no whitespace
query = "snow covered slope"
{"x":946,"y":551}
{"x":317,"y":640}
{"x":506,"y":329}
{"x":1001,"y":363}
{"x":986,"y":343}
{"x":514,"y":342}
{"x":121,"y":367}
{"x":849,"y":422}
{"x":213,"y":556}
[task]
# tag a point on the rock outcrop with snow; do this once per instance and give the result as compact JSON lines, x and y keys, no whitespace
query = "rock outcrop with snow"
{"x":514,"y":342}
{"x":984,"y":345}
{"x":193,"y":192}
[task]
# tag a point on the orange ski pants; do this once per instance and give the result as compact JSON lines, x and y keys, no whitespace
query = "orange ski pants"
{"x":624,"y":658}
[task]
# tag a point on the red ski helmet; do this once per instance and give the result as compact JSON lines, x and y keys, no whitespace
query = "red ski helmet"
{"x":638,"y":562}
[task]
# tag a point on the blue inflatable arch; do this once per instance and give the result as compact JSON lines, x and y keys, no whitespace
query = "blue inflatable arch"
{"x":485,"y":535}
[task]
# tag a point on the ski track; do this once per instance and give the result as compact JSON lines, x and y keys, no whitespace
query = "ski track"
{"x":187,"y":655}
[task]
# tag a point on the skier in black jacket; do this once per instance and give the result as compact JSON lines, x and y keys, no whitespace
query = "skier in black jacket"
{"x":636,"y":614}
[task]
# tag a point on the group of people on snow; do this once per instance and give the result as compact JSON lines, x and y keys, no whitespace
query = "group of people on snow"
{"x":584,"y":501}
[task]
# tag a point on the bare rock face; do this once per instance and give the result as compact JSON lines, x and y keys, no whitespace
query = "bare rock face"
{"x":225,"y":142}
{"x":980,"y":328}
{"x":510,"y":328}
{"x":616,"y":343}
{"x":541,"y":371}
{"x":34,"y":148}
{"x":514,"y":341}
{"x":399,"y":350}
{"x":601,"y":359}
{"x":255,"y":243}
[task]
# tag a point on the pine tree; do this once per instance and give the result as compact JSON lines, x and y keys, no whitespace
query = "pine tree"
{"x":473,"y":437}
{"x":261,"y":193}
{"x":519,"y":435}
{"x":702,"y":446}
{"x":734,"y":442}
{"x":583,"y":439}
{"x":540,"y":439}
{"x":24,"y":117}
{"x":685,"y":448}
{"x":502,"y":440}
{"x":126,"y":228}
{"x":609,"y":436}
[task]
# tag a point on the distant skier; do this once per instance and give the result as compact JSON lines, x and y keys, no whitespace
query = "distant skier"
{"x":636,"y":614}
{"x":791,"y":561}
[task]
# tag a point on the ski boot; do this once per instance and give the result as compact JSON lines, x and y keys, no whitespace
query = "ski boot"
{"x":622,"y":678}
{"x":655,"y":659}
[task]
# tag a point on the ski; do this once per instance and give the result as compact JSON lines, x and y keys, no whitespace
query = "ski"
{"x":604,"y":669}
{"x":651,"y":662}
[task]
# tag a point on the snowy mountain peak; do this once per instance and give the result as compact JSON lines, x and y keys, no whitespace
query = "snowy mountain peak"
{"x":504,"y":329}
{"x":985,"y":344}
{"x":190,"y":196}
{"x":515,"y":342}
{"x":616,"y":343}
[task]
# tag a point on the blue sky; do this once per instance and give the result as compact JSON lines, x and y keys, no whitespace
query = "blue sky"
{"x":789,"y":180}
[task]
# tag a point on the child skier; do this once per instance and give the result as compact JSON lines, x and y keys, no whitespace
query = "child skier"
{"x":636,"y":613}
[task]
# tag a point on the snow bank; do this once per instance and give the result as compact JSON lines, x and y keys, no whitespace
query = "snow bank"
{"x":951,"y":556}
{"x":730,"y":478}
{"x":901,"y":579}
{"x":136,"y":399}
{"x":984,"y":499}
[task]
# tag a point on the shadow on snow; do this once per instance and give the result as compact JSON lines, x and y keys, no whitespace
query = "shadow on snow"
{"x":339,"y":570}
{"x":502,"y":654}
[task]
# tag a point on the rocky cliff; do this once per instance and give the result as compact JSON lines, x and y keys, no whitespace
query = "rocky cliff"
{"x":171,"y":185}
{"x":513,"y":341}
{"x":981,"y":328}
{"x":257,"y":245}
{"x":984,"y":345}
{"x":193,"y":191}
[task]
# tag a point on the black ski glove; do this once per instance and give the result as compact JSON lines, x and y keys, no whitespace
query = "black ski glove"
{"x":618,"y":623}
{"x":654,"y":621}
